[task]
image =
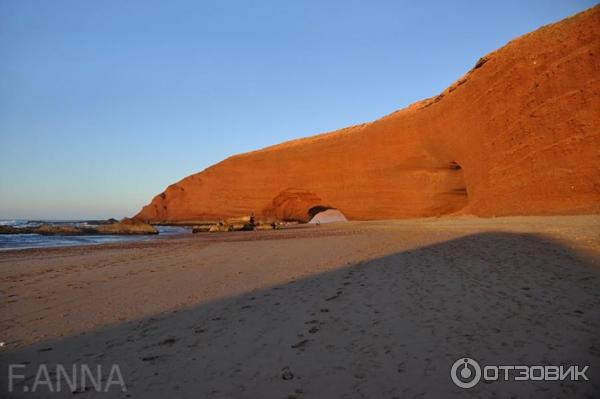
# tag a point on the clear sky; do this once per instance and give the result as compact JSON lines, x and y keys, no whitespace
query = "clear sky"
{"x":105,"y":103}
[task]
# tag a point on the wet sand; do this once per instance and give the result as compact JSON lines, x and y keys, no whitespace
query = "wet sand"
{"x":362,"y":309}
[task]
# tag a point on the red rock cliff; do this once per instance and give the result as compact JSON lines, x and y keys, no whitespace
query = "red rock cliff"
{"x":519,"y":134}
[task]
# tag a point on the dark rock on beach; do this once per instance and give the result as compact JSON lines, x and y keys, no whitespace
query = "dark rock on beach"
{"x":125,"y":227}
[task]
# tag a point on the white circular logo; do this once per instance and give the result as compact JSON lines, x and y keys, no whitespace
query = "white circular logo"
{"x":465,"y":372}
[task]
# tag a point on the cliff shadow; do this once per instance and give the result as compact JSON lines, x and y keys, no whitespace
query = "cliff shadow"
{"x":389,"y":327}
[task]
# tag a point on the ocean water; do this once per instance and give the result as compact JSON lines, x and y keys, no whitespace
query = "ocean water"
{"x":24,"y":241}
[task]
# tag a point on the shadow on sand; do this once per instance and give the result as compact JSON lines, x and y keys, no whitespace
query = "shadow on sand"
{"x":390,"y":327}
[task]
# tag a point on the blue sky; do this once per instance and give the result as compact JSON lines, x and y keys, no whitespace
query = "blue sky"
{"x":105,"y":103}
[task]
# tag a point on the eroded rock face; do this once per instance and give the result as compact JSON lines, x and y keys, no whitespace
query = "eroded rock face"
{"x":519,"y":134}
{"x":292,"y":205}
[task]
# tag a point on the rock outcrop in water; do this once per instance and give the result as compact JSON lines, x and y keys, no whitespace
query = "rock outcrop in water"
{"x":124,"y":227}
{"x":519,"y":134}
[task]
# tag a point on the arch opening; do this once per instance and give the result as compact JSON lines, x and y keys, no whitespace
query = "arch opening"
{"x":325,"y":214}
{"x":317,"y":209}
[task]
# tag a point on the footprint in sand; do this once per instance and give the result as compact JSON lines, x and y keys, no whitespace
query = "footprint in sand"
{"x":300,"y":344}
{"x":44,"y":349}
{"x":286,"y":374}
{"x":168,"y":341}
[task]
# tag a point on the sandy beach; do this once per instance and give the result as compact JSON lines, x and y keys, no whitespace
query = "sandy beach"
{"x":352,"y":310}
{"x":300,"y":200}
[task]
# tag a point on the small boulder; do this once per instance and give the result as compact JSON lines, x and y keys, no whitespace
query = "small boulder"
{"x":203,"y":228}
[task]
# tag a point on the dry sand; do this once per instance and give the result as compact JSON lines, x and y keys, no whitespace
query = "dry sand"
{"x":355,"y":310}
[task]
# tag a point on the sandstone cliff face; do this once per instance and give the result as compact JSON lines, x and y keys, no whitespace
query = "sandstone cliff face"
{"x":518,"y":134}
